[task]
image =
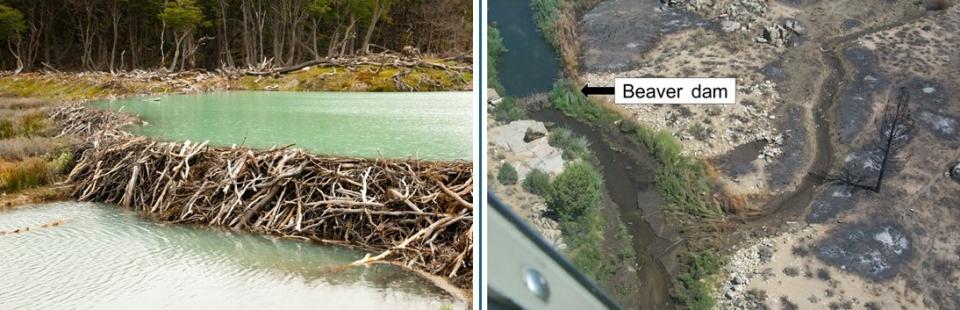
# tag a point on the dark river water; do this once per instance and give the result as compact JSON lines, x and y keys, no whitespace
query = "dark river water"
{"x":530,"y":64}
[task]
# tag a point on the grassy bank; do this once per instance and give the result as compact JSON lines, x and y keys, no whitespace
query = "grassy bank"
{"x":362,"y":78}
{"x":95,"y":85}
{"x":557,"y":21}
{"x":30,"y":158}
{"x":681,"y":179}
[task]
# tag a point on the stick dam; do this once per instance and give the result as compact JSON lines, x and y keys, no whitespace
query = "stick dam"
{"x":415,"y":214}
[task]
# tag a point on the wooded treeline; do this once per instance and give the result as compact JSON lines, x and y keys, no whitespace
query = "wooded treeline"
{"x":115,"y":35}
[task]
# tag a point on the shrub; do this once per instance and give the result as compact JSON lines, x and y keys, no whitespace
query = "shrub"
{"x":508,"y":110}
{"x":700,"y":132}
{"x":574,"y":147}
{"x":537,"y":182}
{"x":576,"y":191}
{"x":689,"y":289}
{"x":507,"y":175}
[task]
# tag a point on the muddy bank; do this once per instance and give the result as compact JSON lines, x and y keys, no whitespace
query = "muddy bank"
{"x":628,"y":173}
{"x":609,"y":37}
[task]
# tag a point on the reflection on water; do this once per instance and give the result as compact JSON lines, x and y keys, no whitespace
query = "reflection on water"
{"x":107,"y":258}
{"x":436,"y":125}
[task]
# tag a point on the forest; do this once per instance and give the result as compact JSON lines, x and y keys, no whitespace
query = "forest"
{"x":175,"y":35}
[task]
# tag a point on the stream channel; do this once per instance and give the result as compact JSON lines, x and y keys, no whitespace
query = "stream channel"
{"x":530,"y":66}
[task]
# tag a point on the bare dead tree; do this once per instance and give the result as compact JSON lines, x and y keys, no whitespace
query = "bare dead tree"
{"x":893,"y":130}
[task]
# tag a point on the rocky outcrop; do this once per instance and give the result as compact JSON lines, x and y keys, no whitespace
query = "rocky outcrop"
{"x":528,"y":144}
{"x":955,"y":173}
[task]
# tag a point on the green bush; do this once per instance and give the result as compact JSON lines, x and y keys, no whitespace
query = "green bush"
{"x":507,"y":175}
{"x":576,"y":192}
{"x":689,"y":289}
{"x":508,"y":110}
{"x":537,"y":182}
{"x":573,"y":146}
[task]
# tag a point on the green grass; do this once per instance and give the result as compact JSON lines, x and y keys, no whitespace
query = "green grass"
{"x":49,"y":87}
{"x":574,"y":147}
{"x":682,"y":180}
{"x":567,"y":98}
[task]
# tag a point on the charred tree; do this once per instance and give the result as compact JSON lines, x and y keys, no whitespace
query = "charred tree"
{"x":893,"y":129}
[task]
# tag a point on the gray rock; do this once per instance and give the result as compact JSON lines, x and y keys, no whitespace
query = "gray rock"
{"x":795,"y":26}
{"x":535,"y":132}
{"x":739,"y":279}
{"x":729,"y":26}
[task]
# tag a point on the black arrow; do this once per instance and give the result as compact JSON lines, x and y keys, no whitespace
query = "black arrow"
{"x":587,"y":90}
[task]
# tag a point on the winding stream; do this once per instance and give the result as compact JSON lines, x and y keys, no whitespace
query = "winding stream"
{"x":530,"y":66}
{"x":104,"y":257}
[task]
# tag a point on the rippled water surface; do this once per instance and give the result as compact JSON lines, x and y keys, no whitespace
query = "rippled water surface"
{"x":104,"y":257}
{"x":426,"y":125}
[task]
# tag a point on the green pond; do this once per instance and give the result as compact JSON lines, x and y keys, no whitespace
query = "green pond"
{"x":423,"y":125}
{"x":104,"y":257}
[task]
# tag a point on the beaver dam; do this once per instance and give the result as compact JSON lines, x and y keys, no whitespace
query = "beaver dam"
{"x":410,"y":213}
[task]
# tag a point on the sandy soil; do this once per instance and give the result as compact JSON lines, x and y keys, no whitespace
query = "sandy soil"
{"x":892,"y":249}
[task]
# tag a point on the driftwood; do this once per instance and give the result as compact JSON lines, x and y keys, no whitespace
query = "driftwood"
{"x":415,"y":214}
{"x":378,"y":60}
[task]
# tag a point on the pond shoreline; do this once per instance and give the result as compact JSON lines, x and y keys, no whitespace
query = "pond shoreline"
{"x":370,"y":74}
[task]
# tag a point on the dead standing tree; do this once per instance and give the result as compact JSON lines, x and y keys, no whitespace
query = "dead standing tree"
{"x":893,"y":130}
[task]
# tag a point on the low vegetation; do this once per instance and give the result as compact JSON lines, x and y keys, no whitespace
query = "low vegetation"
{"x":507,"y":174}
{"x":574,"y":147}
{"x":690,"y":289}
{"x":29,"y":157}
{"x":507,"y":111}
{"x":575,"y":195}
{"x":537,"y":182}
{"x":557,"y":21}
{"x":682,"y":180}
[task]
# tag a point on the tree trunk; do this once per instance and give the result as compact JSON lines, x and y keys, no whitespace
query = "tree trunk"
{"x":377,"y":11}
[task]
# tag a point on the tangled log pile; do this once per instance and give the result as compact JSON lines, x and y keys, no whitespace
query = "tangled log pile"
{"x":414,"y":213}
